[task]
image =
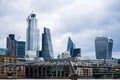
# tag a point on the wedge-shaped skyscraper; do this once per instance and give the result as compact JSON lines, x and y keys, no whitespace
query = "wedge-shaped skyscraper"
{"x":70,"y":45}
{"x":47,"y":49}
{"x":103,"y":47}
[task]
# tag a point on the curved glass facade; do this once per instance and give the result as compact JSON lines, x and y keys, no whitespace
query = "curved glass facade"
{"x":32,"y":37}
{"x":103,"y":48}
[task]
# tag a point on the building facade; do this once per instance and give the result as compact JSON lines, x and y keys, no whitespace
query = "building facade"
{"x":20,"y":49}
{"x":65,"y":55}
{"x":47,"y":49}
{"x":9,"y":67}
{"x":70,"y":46}
{"x":11,"y":44}
{"x":76,"y":52}
{"x":103,"y":47}
{"x":3,"y":51}
{"x":32,"y":38}
{"x":85,"y":72}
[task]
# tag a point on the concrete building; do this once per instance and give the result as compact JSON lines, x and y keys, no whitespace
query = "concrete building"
{"x":31,"y":55}
{"x":11,"y":44}
{"x":65,"y":55}
{"x":84,"y":72}
{"x":47,"y":49}
{"x":103,"y":47}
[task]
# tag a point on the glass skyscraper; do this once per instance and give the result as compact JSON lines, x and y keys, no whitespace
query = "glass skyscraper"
{"x":3,"y":51}
{"x":47,"y":49}
{"x":70,"y":46}
{"x":103,"y":47}
{"x":32,"y":38}
{"x":76,"y":52}
{"x":20,"y":49}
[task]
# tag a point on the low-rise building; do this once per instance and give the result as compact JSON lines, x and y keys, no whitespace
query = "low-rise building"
{"x":9,"y":67}
{"x":84,"y":72}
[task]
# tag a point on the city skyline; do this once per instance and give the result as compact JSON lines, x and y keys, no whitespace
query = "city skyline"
{"x":82,"y":20}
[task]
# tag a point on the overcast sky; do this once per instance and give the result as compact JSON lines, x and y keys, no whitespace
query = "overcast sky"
{"x":82,"y":20}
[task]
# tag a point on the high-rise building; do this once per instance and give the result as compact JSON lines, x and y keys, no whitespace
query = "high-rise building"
{"x":103,"y":47}
{"x":32,"y":38}
{"x":20,"y":49}
{"x":47,"y":49}
{"x":76,"y":52}
{"x":3,"y":51}
{"x":70,"y":46}
{"x":11,"y":44}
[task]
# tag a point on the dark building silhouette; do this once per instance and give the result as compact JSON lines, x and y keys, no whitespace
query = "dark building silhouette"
{"x":47,"y":49}
{"x":103,"y":48}
{"x":11,"y":44}
{"x":76,"y":52}
{"x":20,"y":49}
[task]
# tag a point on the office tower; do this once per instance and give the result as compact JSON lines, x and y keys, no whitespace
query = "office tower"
{"x":20,"y":49}
{"x":47,"y":50}
{"x":32,"y":38}
{"x":11,"y":44}
{"x":70,"y":46}
{"x":103,"y":47}
{"x":3,"y":51}
{"x":40,"y":54}
{"x":76,"y":52}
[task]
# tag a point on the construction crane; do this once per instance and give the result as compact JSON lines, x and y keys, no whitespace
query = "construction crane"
{"x":18,"y":38}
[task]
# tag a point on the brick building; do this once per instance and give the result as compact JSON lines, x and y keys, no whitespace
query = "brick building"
{"x":9,"y":67}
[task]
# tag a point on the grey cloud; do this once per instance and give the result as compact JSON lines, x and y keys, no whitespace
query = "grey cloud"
{"x":49,"y":6}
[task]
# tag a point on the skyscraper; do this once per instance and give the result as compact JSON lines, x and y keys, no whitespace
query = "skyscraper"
{"x":76,"y":52}
{"x":70,"y":46}
{"x":47,"y":50}
{"x":32,"y":38}
{"x":20,"y":49}
{"x":103,"y":47}
{"x":11,"y":45}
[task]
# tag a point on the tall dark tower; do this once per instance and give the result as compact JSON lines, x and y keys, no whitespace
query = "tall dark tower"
{"x":20,"y":49}
{"x":11,"y":45}
{"x":47,"y":49}
{"x":103,"y":48}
